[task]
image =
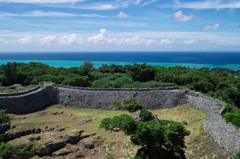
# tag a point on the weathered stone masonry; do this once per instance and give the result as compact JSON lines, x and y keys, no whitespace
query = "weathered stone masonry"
{"x":224,"y":134}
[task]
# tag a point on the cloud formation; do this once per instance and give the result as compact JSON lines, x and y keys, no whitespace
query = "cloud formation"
{"x":207,"y":4}
{"x":148,"y":2}
{"x":47,"y":40}
{"x":110,"y":5}
{"x":41,"y":1}
{"x":208,"y":27}
{"x":70,"y":40}
{"x":122,"y":15}
{"x":39,"y":13}
{"x":180,"y":17}
{"x":101,"y":39}
{"x":26,"y":40}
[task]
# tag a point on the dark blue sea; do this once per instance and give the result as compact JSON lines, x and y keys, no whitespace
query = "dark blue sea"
{"x":229,"y":60}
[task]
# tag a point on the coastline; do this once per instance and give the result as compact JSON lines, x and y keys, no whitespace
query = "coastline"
{"x":68,"y":64}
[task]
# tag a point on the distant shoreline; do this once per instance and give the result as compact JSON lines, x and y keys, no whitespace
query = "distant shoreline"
{"x":68,"y":64}
{"x":228,"y":60}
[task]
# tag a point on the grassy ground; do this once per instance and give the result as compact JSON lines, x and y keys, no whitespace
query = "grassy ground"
{"x":198,"y":143}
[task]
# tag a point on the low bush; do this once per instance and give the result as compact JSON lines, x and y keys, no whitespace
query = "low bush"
{"x":24,"y":151}
{"x":4,"y":118}
{"x":117,"y":104}
{"x":163,"y":139}
{"x":234,"y":118}
{"x":78,"y":81}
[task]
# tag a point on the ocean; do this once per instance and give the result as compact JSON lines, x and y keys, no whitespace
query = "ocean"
{"x":229,"y":60}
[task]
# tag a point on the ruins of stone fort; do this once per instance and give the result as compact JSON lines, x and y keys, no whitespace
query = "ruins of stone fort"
{"x":224,"y":134}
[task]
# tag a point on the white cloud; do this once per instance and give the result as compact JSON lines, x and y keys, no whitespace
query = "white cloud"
{"x":148,"y":2}
{"x":100,"y":38}
{"x":110,"y":5}
{"x":176,"y":1}
{"x":166,"y":41}
{"x":41,"y":1}
{"x":70,"y":40}
{"x":99,"y":7}
{"x":122,"y":15}
{"x":207,"y":4}
{"x":47,"y":40}
{"x":180,"y":17}
{"x":131,"y":41}
{"x":26,"y":40}
{"x":207,"y":27}
{"x":138,"y":2}
{"x":190,"y":42}
{"x":89,"y":40}
{"x":39,"y":13}
{"x":2,"y":41}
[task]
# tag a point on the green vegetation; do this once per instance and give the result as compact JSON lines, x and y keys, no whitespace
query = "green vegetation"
{"x":233,"y":118}
{"x":117,"y":104}
{"x":25,"y":151}
{"x":9,"y":91}
{"x":219,"y":83}
{"x":156,"y":138}
{"x":197,"y":145}
{"x":4,"y":118}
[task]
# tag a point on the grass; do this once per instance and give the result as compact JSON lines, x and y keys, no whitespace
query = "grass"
{"x":9,"y":91}
{"x":196,"y":143}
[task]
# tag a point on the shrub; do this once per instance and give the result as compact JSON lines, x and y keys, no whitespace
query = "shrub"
{"x":117,"y":104}
{"x":145,"y":115}
{"x":55,"y":79}
{"x":23,"y":151}
{"x":234,"y":118}
{"x":165,"y":138}
{"x":133,"y":107}
{"x":4,"y":118}
{"x":79,"y":81}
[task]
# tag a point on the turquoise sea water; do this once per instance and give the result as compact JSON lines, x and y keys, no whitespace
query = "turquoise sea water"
{"x":187,"y":59}
{"x":68,"y":64}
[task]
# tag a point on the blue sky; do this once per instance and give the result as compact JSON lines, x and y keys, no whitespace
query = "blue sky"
{"x":119,"y":25}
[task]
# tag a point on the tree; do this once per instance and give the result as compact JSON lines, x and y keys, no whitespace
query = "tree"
{"x":157,"y":138}
{"x":78,"y":81}
{"x":142,"y":72}
{"x":88,"y":64}
{"x":10,"y":74}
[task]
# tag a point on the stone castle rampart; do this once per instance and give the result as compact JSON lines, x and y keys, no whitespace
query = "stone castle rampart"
{"x":225,"y":134}
{"x":28,"y":102}
{"x":19,"y":93}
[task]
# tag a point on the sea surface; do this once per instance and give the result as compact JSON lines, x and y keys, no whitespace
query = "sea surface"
{"x":229,"y":60}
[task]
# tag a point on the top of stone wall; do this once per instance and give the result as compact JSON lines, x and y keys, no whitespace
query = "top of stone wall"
{"x":15,"y":86}
{"x":118,"y":89}
{"x":19,"y":93}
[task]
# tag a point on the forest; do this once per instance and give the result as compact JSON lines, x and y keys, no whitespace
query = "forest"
{"x":219,"y":83}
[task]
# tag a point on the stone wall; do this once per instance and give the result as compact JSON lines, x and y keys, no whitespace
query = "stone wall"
{"x":19,"y":93}
{"x":205,"y":103}
{"x":29,"y":102}
{"x":15,"y":86}
{"x":103,"y":98}
{"x":225,"y":134}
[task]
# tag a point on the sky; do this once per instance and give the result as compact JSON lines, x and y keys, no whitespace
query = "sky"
{"x":119,"y":25}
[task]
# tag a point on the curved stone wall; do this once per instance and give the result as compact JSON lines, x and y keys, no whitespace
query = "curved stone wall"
{"x":29,"y":102}
{"x":225,"y":134}
{"x":19,"y":93}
